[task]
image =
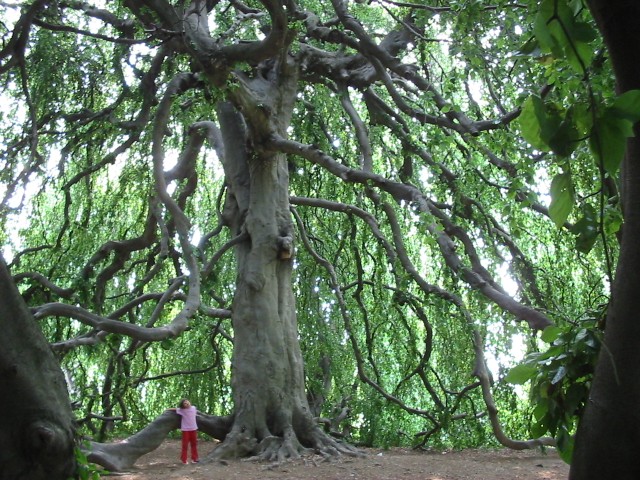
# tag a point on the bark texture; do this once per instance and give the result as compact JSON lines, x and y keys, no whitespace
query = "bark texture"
{"x":608,"y":439}
{"x":36,"y":425}
{"x":120,"y":456}
{"x":273,"y":420}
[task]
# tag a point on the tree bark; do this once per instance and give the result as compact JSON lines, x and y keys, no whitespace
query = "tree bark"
{"x":36,"y":425}
{"x":608,"y":438}
{"x":273,"y":420}
{"x":121,"y":456}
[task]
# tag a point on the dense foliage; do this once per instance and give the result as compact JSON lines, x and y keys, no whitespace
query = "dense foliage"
{"x":449,"y":206}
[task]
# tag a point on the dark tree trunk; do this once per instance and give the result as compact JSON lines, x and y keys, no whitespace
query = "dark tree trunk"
{"x":608,"y":439}
{"x":36,"y":425}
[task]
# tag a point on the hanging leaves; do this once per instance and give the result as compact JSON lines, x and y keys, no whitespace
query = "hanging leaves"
{"x":562,"y":35}
{"x":586,"y":229}
{"x":547,"y":127}
{"x":560,"y":378}
{"x":538,"y":122}
{"x":611,"y":129}
{"x":562,"y":198}
{"x":449,"y":196}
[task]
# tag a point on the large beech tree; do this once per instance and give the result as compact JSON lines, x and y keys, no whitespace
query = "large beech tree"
{"x":378,"y":172}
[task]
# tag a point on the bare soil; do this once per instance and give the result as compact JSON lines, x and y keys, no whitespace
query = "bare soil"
{"x":398,"y":463}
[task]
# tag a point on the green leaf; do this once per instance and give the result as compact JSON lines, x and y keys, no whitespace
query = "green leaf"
{"x":608,"y":140}
{"x":579,"y":55}
{"x":612,"y":219}
{"x":540,"y":427}
{"x":582,"y":118}
{"x":529,"y":122}
{"x":550,"y":121}
{"x":530,"y":48}
{"x":564,"y":139}
{"x":586,"y":230}
{"x":583,"y":31}
{"x":541,"y":28}
{"x":558,"y":33}
{"x":581,"y":335}
{"x":627,"y":105}
{"x":543,"y":389}
{"x":577,"y":393}
{"x":565,"y":443}
{"x":521,"y":374}
{"x":539,"y":122}
{"x":560,"y":374}
{"x":562,"y":198}
{"x":540,"y":410}
{"x":550,"y":333}
{"x":554,"y":351}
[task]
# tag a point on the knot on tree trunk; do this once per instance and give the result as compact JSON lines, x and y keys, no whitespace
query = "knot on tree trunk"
{"x":50,"y":447}
{"x":285,"y":247}
{"x":41,"y":437}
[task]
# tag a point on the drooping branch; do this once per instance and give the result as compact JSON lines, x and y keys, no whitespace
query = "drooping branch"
{"x":367,"y":217}
{"x":380,"y":62}
{"x":361,"y":131}
{"x":346,"y":316}
{"x":476,"y":277}
{"x":334,"y":206}
{"x":482,"y":374}
{"x":14,"y":49}
{"x":125,"y":26}
{"x":385,"y":60}
{"x":396,"y":111}
{"x":44,"y":282}
{"x":148,"y":89}
{"x":104,"y":326}
{"x":178,"y":85}
{"x":65,"y":28}
{"x":480,"y":365}
{"x":144,"y":334}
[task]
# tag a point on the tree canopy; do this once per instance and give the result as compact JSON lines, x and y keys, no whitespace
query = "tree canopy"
{"x":453,"y":187}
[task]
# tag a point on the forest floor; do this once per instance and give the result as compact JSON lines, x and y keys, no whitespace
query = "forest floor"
{"x":397,"y":463}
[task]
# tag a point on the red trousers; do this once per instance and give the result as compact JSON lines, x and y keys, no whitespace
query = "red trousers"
{"x":189,"y":438}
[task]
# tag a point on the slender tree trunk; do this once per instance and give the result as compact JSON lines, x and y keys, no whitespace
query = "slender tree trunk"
{"x":608,"y":439}
{"x":36,"y":425}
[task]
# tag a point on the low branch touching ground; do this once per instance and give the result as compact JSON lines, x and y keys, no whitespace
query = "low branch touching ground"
{"x":122,"y":455}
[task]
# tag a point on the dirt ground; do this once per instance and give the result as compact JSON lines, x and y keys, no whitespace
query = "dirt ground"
{"x":164,"y":464}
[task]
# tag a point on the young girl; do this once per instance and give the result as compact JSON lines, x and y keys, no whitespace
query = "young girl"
{"x":189,"y":429}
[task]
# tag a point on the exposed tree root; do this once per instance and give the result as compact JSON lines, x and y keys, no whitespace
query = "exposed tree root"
{"x":279,"y":449}
{"x":328,"y":446}
{"x":237,"y":443}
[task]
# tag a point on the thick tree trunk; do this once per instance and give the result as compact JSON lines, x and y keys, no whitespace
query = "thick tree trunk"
{"x":36,"y":425}
{"x":268,"y":382}
{"x":608,"y":439}
{"x":273,"y":420}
